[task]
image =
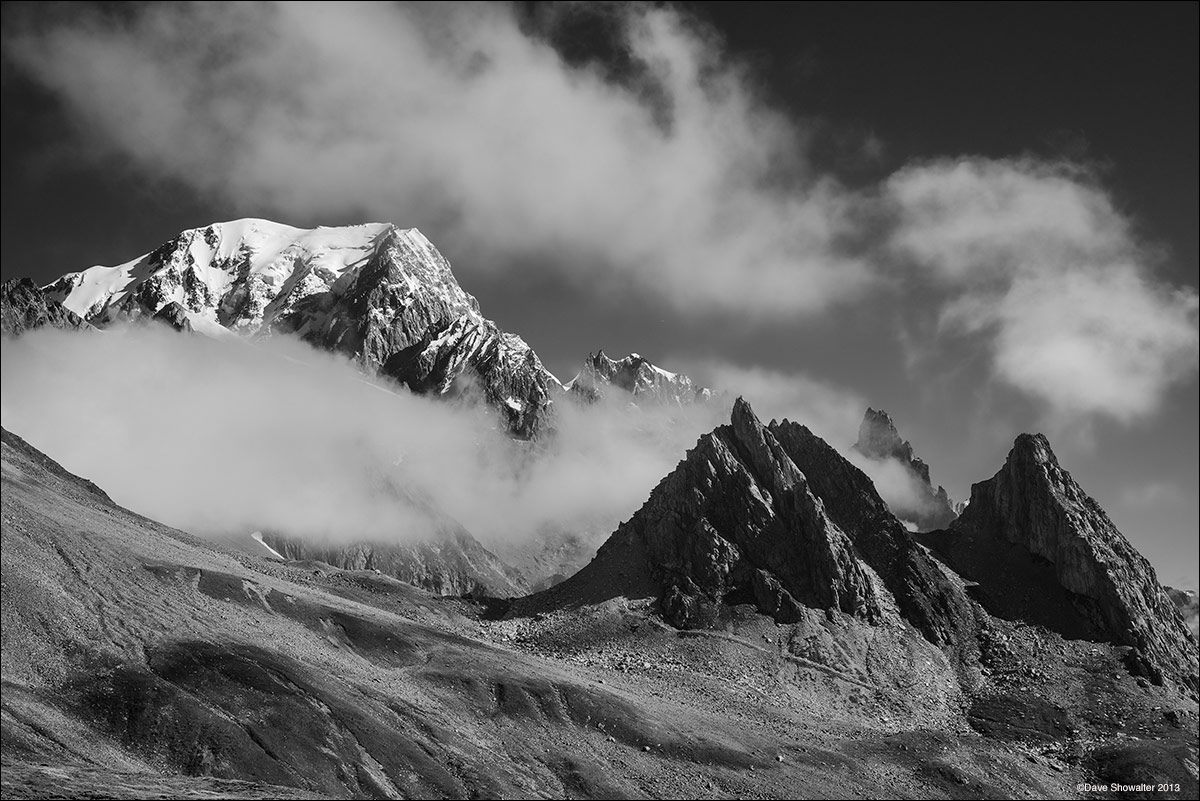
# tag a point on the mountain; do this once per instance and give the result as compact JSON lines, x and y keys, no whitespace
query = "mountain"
{"x":137,"y":656}
{"x":637,"y":376}
{"x":139,"y":661}
{"x":770,"y":515}
{"x":920,"y":503}
{"x":1040,"y":549}
{"x":382,"y":295}
{"x":764,"y":536}
{"x":23,"y":305}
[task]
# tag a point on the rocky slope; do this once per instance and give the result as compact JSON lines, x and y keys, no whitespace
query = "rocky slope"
{"x":637,"y":376}
{"x":138,"y":661}
{"x":382,"y":295}
{"x":771,"y":515}
{"x":1042,"y":550}
{"x":23,"y":305}
{"x":453,"y":564}
{"x":879,"y":441}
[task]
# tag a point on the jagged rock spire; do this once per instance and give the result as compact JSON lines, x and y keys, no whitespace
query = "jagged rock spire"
{"x":924,"y":506}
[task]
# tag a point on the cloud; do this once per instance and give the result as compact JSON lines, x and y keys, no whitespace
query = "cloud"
{"x":674,"y":178}
{"x":1035,"y":259}
{"x":224,"y":437}
{"x":660,"y":171}
{"x":902,"y":490}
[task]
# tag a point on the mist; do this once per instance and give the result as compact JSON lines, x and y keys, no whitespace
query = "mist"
{"x":225,"y":437}
{"x":904,"y":493}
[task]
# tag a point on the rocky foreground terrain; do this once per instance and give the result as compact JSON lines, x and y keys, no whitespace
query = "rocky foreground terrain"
{"x":139,"y":661}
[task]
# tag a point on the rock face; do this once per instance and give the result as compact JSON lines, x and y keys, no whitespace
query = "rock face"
{"x":637,"y":376}
{"x":879,"y":440}
{"x":473,"y":355}
{"x":23,"y":306}
{"x":175,"y":316}
{"x":926,"y":597}
{"x":1041,"y":549}
{"x":382,"y":295}
{"x":773,"y":516}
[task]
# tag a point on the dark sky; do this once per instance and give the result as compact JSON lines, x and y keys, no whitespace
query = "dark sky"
{"x":90,"y":177}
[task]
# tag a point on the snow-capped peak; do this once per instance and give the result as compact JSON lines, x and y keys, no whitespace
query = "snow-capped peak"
{"x":247,"y":274}
{"x":636,"y":375}
{"x":380,"y":294}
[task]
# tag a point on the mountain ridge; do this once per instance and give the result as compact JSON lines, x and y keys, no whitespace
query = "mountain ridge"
{"x":379,"y":294}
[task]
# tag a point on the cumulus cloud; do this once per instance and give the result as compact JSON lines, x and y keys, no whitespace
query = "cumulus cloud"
{"x":223,"y":437}
{"x":670,"y":176}
{"x":674,"y":178}
{"x":1035,"y":258}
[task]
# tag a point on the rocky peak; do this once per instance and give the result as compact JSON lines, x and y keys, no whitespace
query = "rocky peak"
{"x":24,"y":306}
{"x":767,"y":514}
{"x":878,"y":437}
{"x":636,"y":375}
{"x":880,"y":441}
{"x":380,"y":294}
{"x":926,"y":598}
{"x":1043,"y":550}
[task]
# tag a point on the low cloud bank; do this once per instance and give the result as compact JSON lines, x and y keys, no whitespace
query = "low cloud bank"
{"x":227,"y":437}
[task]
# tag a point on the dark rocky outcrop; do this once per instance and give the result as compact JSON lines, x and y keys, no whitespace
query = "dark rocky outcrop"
{"x":925,"y":596}
{"x":1042,"y":550}
{"x":771,"y":515}
{"x":23,"y":306}
{"x":175,"y":316}
{"x":879,"y":440}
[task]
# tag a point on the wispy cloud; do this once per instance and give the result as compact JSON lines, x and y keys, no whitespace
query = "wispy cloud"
{"x":1034,"y":259}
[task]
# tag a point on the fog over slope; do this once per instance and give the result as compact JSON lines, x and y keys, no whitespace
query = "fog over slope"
{"x":224,"y":437}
